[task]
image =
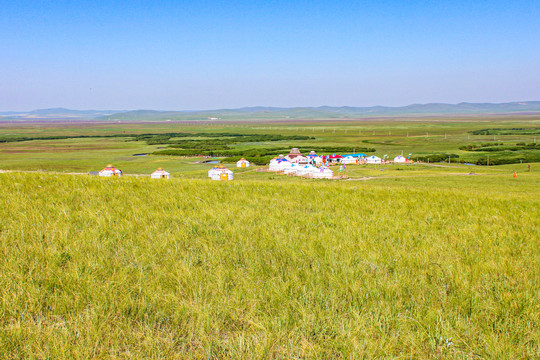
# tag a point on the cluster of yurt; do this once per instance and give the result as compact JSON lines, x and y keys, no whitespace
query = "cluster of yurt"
{"x":295,"y":164}
{"x":220,"y":173}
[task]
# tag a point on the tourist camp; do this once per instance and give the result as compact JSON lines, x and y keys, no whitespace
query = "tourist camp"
{"x":160,"y":174}
{"x":110,"y":171}
{"x":242,"y":163}
{"x":221,"y":173}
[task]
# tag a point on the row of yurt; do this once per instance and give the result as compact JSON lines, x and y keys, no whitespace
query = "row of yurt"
{"x":220,"y":173}
{"x":110,"y":171}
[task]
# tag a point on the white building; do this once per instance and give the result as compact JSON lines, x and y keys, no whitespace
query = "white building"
{"x":323,"y":173}
{"x":221,"y":173}
{"x":110,"y":171}
{"x":400,"y":159}
{"x":349,"y":160}
{"x":160,"y":174}
{"x":242,"y":163}
{"x":278,"y":164}
{"x":373,"y":160}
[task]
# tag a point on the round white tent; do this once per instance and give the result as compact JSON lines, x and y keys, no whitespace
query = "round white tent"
{"x":323,"y":173}
{"x":222,"y":173}
{"x":349,"y":160}
{"x":400,"y":159}
{"x":373,"y":160}
{"x":242,"y":163}
{"x":213,"y":171}
{"x":278,"y":164}
{"x":160,"y":174}
{"x":292,"y":169}
{"x":306,"y":170}
{"x":110,"y":171}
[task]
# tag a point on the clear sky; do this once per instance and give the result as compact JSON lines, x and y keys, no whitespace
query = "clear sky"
{"x":187,"y":55}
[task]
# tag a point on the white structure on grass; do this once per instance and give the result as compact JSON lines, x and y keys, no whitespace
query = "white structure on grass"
{"x":279,"y":164}
{"x":242,"y":163}
{"x":221,"y":173}
{"x":400,"y":159}
{"x":349,"y":160}
{"x":373,"y":160}
{"x":323,"y":173}
{"x":160,"y":174}
{"x":110,"y":171}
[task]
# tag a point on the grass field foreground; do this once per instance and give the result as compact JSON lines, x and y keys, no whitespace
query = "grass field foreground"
{"x":129,"y":267}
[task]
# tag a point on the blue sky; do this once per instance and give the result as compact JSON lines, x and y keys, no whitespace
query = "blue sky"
{"x":181,"y":55}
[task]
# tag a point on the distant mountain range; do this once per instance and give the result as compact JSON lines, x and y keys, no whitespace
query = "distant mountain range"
{"x":268,"y":113}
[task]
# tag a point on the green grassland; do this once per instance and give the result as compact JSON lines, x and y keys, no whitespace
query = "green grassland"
{"x":441,"y":267}
{"x":413,"y":261}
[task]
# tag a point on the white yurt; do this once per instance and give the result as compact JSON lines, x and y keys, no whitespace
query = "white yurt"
{"x":318,"y":160}
{"x":306,"y":170}
{"x":278,"y":164}
{"x":110,"y":171}
{"x":242,"y":163}
{"x":323,"y":173}
{"x":292,"y":169}
{"x":373,"y":160}
{"x":222,"y":173}
{"x":160,"y":174}
{"x":349,"y":160}
{"x":213,"y":171}
{"x":400,"y":159}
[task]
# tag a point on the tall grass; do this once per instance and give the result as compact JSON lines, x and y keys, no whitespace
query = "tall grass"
{"x":127,"y":267}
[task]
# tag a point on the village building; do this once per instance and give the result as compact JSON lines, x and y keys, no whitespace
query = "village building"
{"x":295,"y":156}
{"x":373,"y":160}
{"x":323,"y":173}
{"x":279,"y":163}
{"x":400,"y":159}
{"x":109,"y":171}
{"x":160,"y":174}
{"x":242,"y":163}
{"x":221,"y":173}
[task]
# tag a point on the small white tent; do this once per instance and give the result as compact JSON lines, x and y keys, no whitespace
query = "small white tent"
{"x":292,"y":169}
{"x":110,"y":171}
{"x":222,"y":173}
{"x":373,"y":160}
{"x":278,"y":164}
{"x":306,"y":170}
{"x":242,"y":163}
{"x":160,"y":174}
{"x":400,"y":159}
{"x":349,"y":160}
{"x":212,"y":171}
{"x":323,"y":173}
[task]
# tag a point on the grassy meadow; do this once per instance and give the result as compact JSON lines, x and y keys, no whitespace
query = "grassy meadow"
{"x":422,"y":261}
{"x":131,"y":267}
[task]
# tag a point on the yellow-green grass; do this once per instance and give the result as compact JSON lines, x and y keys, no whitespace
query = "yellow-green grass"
{"x":445,"y":267}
